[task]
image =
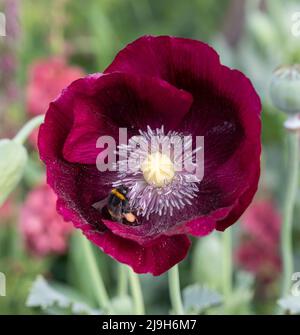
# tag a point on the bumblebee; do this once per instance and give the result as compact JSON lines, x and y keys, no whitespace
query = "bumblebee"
{"x":117,"y":206}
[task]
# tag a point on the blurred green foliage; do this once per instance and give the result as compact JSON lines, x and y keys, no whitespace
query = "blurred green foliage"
{"x":89,"y":33}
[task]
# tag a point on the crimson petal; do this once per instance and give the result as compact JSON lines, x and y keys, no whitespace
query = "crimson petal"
{"x":121,"y":100}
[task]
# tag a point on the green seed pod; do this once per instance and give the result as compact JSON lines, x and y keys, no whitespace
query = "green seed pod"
{"x":207,"y":262}
{"x":285,"y":89}
{"x":13,"y":158}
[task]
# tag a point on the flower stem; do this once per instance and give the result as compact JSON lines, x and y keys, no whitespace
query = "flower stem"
{"x":28,"y":128}
{"x":56,"y":30}
{"x":174,"y":289}
{"x":122,"y":280}
{"x":227,"y":263}
{"x":136,"y":293}
{"x":95,"y":276}
{"x":288,"y":209}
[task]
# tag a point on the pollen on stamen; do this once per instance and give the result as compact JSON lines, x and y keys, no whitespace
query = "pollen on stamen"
{"x":153,"y":168}
{"x":158,"y":169}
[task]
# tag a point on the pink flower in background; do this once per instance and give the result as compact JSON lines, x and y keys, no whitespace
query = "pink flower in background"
{"x":43,"y":230}
{"x":258,"y":251}
{"x":47,"y":78}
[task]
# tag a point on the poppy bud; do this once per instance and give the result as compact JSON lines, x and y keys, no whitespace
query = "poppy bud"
{"x":285,"y":88}
{"x":13,"y":158}
{"x":203,"y":271}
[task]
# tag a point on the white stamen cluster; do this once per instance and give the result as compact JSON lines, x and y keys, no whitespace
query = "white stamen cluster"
{"x":155,"y":172}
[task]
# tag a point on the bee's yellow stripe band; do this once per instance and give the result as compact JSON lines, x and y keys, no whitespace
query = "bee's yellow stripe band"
{"x":118,"y":194}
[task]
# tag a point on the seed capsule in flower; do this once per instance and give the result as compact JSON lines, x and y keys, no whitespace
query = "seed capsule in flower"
{"x":158,"y":169}
{"x":13,"y":158}
{"x":285,"y":88}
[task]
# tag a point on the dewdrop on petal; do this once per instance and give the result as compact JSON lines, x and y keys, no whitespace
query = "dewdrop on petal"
{"x":285,"y":89}
{"x":13,"y":158}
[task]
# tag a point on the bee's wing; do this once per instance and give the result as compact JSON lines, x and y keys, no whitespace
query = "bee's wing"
{"x":100,"y":204}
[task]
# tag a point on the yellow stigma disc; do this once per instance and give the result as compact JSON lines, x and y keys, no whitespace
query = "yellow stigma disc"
{"x":158,"y":169}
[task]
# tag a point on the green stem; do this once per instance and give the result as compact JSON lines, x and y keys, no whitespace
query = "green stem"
{"x":56,"y":29}
{"x":95,"y":276}
{"x":288,"y":209}
{"x":227,"y":263}
{"x":28,"y":128}
{"x":136,"y":291}
{"x":122,"y":280}
{"x":174,"y":289}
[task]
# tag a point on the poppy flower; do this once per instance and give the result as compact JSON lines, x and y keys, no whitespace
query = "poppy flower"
{"x":258,"y":251}
{"x":156,"y":87}
{"x":43,"y":230}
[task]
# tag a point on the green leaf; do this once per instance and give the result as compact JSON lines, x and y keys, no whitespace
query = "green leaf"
{"x":50,"y":299}
{"x":197,"y":298}
{"x":290,"y":304}
{"x":239,"y":301}
{"x":122,"y":305}
{"x":13,"y":159}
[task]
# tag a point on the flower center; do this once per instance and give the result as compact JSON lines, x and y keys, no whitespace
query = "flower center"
{"x":158,"y":169}
{"x":158,"y":177}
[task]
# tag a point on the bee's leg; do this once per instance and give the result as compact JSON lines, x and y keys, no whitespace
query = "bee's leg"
{"x":115,"y":216}
{"x":129,"y":217}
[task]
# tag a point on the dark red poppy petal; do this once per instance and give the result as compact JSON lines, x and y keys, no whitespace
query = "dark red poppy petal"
{"x":80,"y":145}
{"x":59,"y":119}
{"x":167,"y":58}
{"x":242,"y":203}
{"x":121,"y":101}
{"x":157,"y":257}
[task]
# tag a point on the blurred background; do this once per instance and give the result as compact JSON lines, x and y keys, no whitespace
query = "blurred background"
{"x":48,"y":44}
